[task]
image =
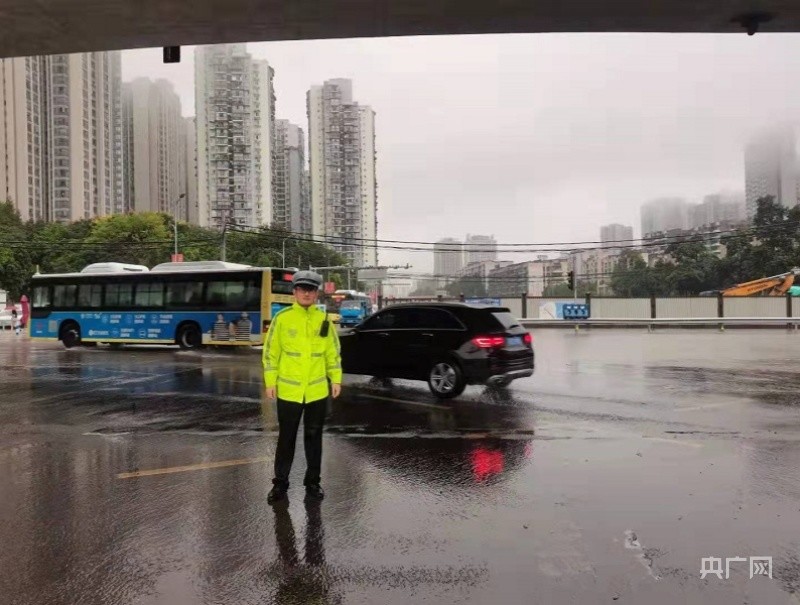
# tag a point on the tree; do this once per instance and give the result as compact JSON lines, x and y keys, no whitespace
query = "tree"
{"x":470,"y":287}
{"x":197,"y":243}
{"x":632,"y":276}
{"x":771,"y":247}
{"x":560,"y":289}
{"x":140,"y":239}
{"x":694,"y":268}
{"x":15,"y":260}
{"x":143,"y":238}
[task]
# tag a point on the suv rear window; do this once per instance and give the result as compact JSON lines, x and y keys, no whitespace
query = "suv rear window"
{"x":506,"y":319}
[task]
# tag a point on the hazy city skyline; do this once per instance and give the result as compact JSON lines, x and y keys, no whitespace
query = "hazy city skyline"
{"x":537,"y":138}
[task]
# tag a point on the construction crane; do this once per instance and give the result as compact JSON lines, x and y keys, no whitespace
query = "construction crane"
{"x":777,"y":285}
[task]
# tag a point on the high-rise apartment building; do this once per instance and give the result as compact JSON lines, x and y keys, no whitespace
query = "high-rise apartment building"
{"x":448,"y":259}
{"x":85,"y":142}
{"x":718,"y":209}
{"x":290,"y":207}
{"x":235,"y":102}
{"x":342,"y":171}
{"x":613,"y":233}
{"x":664,"y":214}
{"x":154,"y":162}
{"x":770,"y":166}
{"x":189,"y":168}
{"x":61,"y":135}
{"x":479,"y":248}
{"x":23,"y":136}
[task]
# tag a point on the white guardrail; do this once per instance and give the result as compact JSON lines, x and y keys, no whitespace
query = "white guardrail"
{"x":664,"y":321}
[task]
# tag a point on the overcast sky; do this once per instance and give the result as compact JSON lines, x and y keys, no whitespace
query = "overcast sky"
{"x":536,"y":138}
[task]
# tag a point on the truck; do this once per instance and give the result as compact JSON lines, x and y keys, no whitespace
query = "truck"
{"x":354,"y":310}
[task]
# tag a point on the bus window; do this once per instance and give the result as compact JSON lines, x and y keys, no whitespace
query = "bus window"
{"x":281,"y":282}
{"x":183,"y":295}
{"x":90,"y":296}
{"x":253,"y":295}
{"x":119,"y":296}
{"x":64,"y":296}
{"x":231,"y":295}
{"x":41,"y":297}
{"x":149,"y":295}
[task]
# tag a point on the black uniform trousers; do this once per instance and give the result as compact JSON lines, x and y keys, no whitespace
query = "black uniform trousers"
{"x":289,"y":414}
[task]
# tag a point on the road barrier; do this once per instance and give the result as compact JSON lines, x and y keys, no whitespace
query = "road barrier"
{"x":677,"y":311}
{"x":651,"y":324}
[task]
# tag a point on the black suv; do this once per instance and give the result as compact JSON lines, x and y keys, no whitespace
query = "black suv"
{"x":450,"y":345}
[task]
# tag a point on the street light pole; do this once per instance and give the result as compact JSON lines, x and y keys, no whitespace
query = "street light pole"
{"x":283,"y":252}
{"x":175,"y":220}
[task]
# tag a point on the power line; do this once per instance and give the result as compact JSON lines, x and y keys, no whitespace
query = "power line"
{"x":85,"y":244}
{"x":644,"y":244}
{"x":541,"y":246}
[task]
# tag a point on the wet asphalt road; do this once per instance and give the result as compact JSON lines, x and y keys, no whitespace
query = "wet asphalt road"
{"x":140,"y":477}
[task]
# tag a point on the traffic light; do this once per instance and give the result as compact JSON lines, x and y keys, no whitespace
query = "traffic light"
{"x":571,"y":280}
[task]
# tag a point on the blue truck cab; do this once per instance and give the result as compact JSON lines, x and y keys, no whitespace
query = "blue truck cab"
{"x":353,"y":312}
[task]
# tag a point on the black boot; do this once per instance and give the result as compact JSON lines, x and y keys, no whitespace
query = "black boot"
{"x":314,"y":492}
{"x":276,"y":494}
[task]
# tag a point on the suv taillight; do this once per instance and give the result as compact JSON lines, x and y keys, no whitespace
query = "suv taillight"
{"x":489,"y":342}
{"x":528,"y":338}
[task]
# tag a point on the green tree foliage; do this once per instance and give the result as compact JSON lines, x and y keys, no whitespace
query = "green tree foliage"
{"x":770,"y":247}
{"x":470,"y":287}
{"x":561,"y":290}
{"x":633,"y":277}
{"x":144,"y":239}
{"x":15,"y":260}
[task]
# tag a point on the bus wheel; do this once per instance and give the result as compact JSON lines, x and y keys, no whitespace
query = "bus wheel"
{"x":189,"y":337}
{"x":71,"y":334}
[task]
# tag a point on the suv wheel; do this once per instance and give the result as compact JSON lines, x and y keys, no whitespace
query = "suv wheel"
{"x":446,"y":380}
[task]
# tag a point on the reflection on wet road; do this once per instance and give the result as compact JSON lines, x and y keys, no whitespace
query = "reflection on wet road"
{"x":140,"y":476}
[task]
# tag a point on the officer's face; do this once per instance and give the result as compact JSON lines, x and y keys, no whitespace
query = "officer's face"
{"x":306,"y":295}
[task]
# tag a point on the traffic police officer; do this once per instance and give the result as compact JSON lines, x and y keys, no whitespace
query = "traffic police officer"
{"x":301,"y":358}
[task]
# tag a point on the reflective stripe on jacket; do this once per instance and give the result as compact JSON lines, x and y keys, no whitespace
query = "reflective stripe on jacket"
{"x":297,"y":359}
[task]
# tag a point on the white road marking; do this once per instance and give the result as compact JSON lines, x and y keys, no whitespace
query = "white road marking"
{"x":432,"y":406}
{"x":674,"y":441}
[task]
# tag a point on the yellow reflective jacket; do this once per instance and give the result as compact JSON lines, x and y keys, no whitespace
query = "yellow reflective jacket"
{"x":297,"y":359}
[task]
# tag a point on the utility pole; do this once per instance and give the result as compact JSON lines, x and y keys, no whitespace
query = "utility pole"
{"x":224,"y":239}
{"x":175,"y":223}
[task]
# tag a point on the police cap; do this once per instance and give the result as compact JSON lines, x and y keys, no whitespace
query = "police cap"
{"x":307,"y":278}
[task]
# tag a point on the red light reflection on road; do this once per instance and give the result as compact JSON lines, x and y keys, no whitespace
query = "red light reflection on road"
{"x":486,"y":462}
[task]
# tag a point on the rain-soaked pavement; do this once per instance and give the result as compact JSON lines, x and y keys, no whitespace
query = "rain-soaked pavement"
{"x":140,"y":477}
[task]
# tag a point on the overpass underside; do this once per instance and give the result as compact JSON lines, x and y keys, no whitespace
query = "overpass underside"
{"x":34,"y":27}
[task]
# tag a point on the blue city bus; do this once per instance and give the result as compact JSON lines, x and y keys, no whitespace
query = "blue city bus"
{"x":189,"y":304}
